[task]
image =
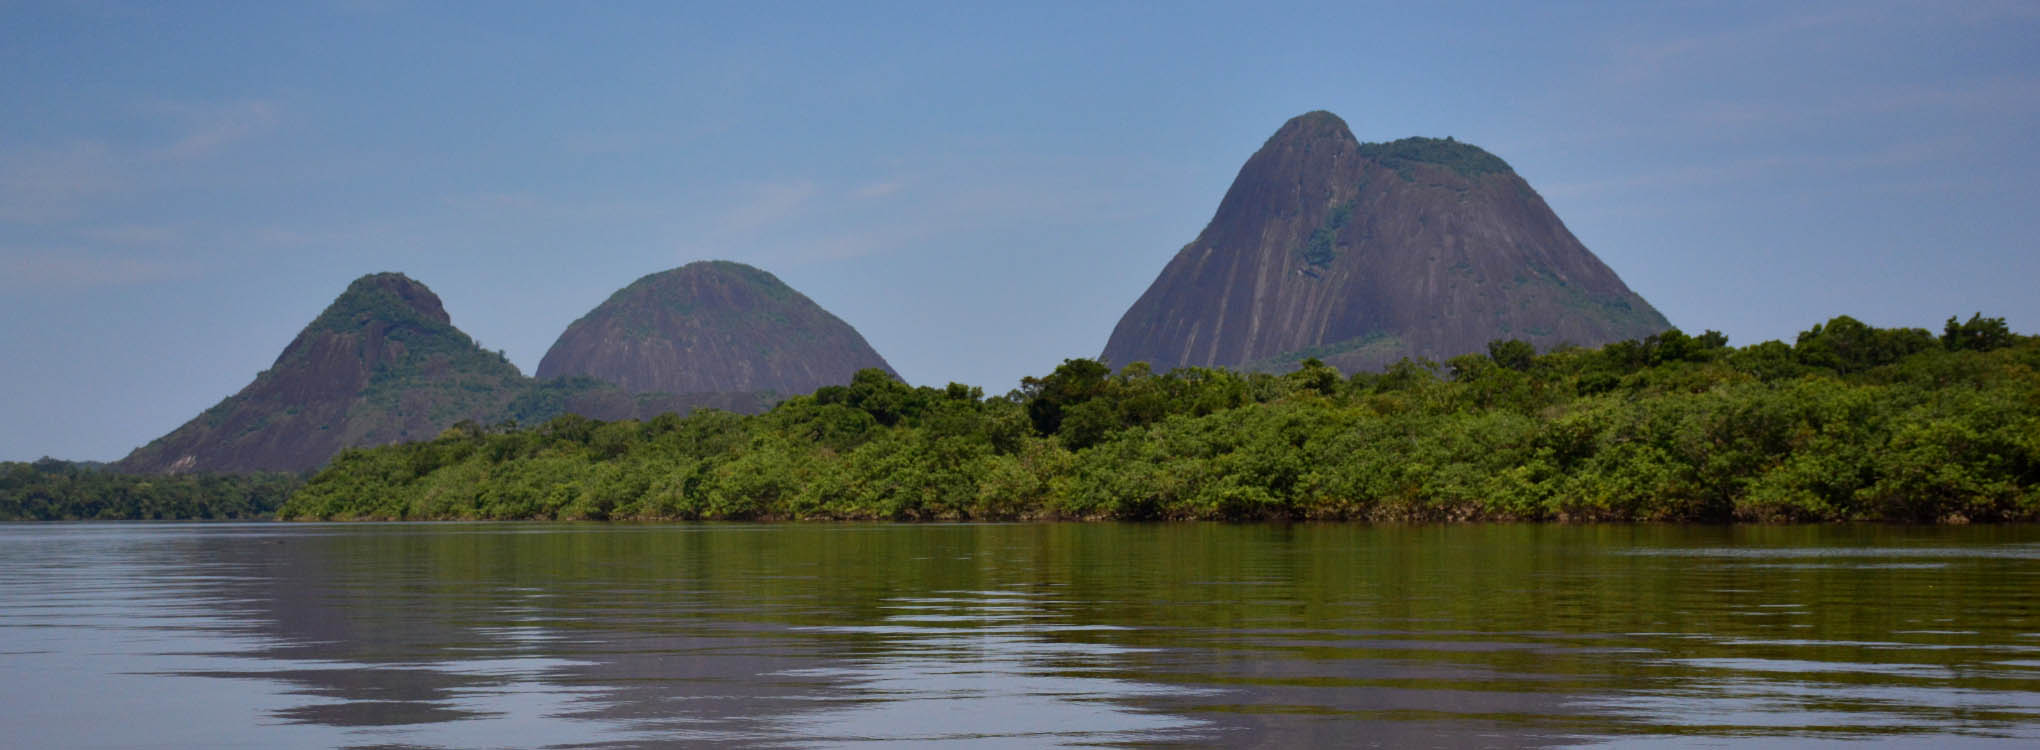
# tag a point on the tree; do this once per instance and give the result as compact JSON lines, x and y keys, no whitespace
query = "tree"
{"x":1980,"y":334}
{"x":1073,"y":382}
{"x":1515,"y":354}
{"x":1846,"y":345}
{"x":1317,"y":377}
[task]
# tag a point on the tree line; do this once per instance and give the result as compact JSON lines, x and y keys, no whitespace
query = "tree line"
{"x":53,"y":490}
{"x":1849,"y":422}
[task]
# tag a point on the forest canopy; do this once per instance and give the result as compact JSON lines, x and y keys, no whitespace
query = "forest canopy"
{"x":1849,"y":422}
{"x":52,"y":490}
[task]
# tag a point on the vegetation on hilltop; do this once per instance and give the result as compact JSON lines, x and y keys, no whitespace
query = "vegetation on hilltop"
{"x":1465,"y":158}
{"x":382,"y":299}
{"x":381,"y":364}
{"x":1849,"y":422}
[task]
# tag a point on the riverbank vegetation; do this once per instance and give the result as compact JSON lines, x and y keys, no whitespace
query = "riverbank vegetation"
{"x":1849,"y":422}
{"x":52,"y":490}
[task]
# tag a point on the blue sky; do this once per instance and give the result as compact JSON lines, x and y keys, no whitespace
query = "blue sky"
{"x":980,"y":191}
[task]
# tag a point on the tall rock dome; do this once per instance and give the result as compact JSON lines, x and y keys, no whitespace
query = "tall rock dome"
{"x":1360,"y":254}
{"x":710,"y":327}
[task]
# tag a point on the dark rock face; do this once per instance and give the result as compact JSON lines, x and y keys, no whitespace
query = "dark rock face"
{"x":712,"y":327}
{"x":1363,"y":253}
{"x":588,"y":397}
{"x":382,"y":364}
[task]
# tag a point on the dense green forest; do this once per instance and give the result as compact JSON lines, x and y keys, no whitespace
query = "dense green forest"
{"x":52,"y":490}
{"x":1850,"y":422}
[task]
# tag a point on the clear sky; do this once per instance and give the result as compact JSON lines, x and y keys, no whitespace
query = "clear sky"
{"x":981,"y":191}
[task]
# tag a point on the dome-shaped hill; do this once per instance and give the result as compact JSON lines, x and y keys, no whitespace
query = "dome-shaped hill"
{"x":384,"y":364}
{"x":710,"y":327}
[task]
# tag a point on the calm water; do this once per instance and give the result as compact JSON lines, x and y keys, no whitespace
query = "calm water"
{"x":473,"y":636}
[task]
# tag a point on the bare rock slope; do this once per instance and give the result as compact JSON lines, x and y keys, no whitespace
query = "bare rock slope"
{"x":710,"y":327}
{"x":1360,"y":254}
{"x":384,"y":364}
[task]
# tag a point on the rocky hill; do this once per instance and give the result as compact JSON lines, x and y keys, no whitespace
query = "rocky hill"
{"x":710,"y":327}
{"x":382,"y":364}
{"x":1360,"y":254}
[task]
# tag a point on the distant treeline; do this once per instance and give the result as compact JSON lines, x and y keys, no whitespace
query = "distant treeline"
{"x":52,"y":490}
{"x":1849,"y":422}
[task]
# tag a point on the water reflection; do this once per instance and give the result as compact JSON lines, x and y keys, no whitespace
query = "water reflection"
{"x":985,"y":668}
{"x":1017,"y":635}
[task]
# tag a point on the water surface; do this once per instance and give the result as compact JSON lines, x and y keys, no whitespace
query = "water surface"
{"x":1028,"y":635}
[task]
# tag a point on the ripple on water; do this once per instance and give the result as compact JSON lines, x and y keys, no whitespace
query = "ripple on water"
{"x":1027,"y":635}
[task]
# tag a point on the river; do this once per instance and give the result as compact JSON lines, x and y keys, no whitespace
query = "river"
{"x":264,"y":635}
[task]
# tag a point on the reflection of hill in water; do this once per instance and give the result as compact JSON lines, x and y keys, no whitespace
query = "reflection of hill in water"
{"x":633,"y":636}
{"x":693,"y":636}
{"x":473,"y":635}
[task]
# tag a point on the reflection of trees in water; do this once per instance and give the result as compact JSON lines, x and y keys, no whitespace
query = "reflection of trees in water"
{"x":966,"y":665}
{"x":747,"y":634}
{"x":1512,"y":636}
{"x":418,"y":628}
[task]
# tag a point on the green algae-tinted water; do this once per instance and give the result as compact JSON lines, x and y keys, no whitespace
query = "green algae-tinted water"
{"x":518,"y":635}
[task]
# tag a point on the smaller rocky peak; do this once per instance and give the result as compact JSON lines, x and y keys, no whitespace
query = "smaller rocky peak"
{"x":716,"y":289}
{"x":372,"y":311}
{"x":736,"y":272}
{"x":722,"y":275}
{"x":1312,"y":154}
{"x":1312,"y":128}
{"x":382,"y":363}
{"x":382,"y":298}
{"x":710,"y":327}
